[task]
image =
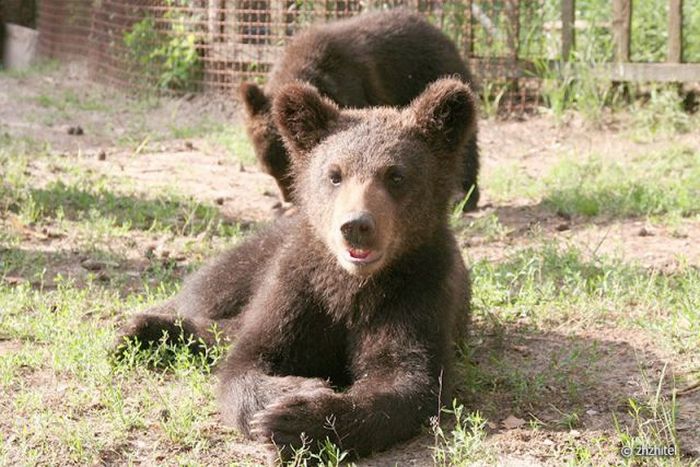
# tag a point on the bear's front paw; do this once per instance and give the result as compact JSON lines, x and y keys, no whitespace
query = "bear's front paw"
{"x":303,"y":417}
{"x":142,"y":330}
{"x":150,"y":329}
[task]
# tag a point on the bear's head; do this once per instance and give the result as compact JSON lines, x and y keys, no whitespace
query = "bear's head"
{"x":266,"y":140}
{"x":375,"y":183}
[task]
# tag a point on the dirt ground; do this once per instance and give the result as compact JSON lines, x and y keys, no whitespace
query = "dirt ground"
{"x":244,"y":193}
{"x":196,"y":167}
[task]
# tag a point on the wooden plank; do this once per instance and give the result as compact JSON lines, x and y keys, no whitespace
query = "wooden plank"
{"x":568,"y":19}
{"x":499,"y":68}
{"x":622,"y":19}
{"x":495,"y":68}
{"x":675,"y":31}
{"x":647,"y":72}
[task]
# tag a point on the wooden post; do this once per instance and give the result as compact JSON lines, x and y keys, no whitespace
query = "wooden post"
{"x":513,"y":30}
{"x":622,"y":19}
{"x":568,"y":33}
{"x":468,"y":31}
{"x":215,"y":16}
{"x":278,"y":25}
{"x":675,"y":31}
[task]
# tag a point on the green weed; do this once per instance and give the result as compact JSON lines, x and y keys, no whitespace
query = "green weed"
{"x":661,"y":113}
{"x":465,"y":443}
{"x":653,"y":425}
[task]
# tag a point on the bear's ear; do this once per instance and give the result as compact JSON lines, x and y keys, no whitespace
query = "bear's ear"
{"x":303,"y":116}
{"x":254,"y":99}
{"x":445,"y":113}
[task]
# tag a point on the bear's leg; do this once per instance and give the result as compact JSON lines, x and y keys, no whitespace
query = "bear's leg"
{"x":216,"y":294}
{"x":284,"y":183}
{"x":275,"y":161}
{"x":395,"y":393}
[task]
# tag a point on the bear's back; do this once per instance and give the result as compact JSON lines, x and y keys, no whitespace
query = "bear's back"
{"x":380,"y":58}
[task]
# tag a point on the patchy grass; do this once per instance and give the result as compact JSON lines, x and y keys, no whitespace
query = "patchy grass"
{"x":235,"y":140}
{"x":63,"y":400}
{"x":557,"y":284}
{"x":661,"y":113}
{"x":654,"y":416}
{"x":69,"y":101}
{"x":487,"y":228}
{"x":231,"y":138}
{"x":573,"y":355}
{"x":464,"y":443}
{"x":39,"y":68}
{"x":68,"y":402}
{"x":664,"y":182}
{"x":653,"y":183}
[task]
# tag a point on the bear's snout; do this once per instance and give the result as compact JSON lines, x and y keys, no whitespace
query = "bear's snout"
{"x":358,"y":228}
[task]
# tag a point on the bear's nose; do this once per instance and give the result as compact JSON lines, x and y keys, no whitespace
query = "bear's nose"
{"x":358,"y":228}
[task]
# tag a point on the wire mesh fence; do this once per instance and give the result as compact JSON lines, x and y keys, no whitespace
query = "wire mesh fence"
{"x":187,"y":45}
{"x":193,"y":45}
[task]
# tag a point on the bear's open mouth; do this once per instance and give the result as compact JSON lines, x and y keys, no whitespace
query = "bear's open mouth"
{"x":362,"y":256}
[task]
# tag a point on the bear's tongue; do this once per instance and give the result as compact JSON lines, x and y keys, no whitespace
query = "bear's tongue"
{"x":358,"y":253}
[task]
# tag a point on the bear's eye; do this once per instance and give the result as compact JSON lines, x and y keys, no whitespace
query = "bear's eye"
{"x":335,"y":177}
{"x":395,"y":176}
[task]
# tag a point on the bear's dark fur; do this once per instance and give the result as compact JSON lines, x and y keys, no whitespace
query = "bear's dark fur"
{"x":383,"y":58}
{"x":344,"y":315}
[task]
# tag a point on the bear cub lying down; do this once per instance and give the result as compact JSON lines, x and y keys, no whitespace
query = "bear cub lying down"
{"x":344,"y":315}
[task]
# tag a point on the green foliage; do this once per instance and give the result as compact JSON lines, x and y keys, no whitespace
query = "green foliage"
{"x":326,"y":454}
{"x":649,"y":30}
{"x":235,"y":140}
{"x":556,"y":86}
{"x":175,"y":353}
{"x":654,"y":417}
{"x":691,"y":31}
{"x":659,"y":183}
{"x":558,"y":283}
{"x":465,"y":442}
{"x":40,"y":67}
{"x":661,"y":113}
{"x":166,"y":53}
{"x":577,"y":84}
{"x":492,"y":92}
{"x":457,"y":209}
{"x":452,"y":20}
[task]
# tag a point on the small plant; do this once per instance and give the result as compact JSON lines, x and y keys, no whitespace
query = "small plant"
{"x":557,"y":86}
{"x":661,"y":113}
{"x":653,"y":421}
{"x":492,"y":93}
{"x":167,"y":55}
{"x":327,"y":454}
{"x":457,"y":210}
{"x":464,"y":443}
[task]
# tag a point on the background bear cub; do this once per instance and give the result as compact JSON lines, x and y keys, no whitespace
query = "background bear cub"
{"x":375,"y":59}
{"x":344,"y":315}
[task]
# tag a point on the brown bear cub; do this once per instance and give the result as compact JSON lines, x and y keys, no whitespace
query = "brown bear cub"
{"x":343,"y":316}
{"x":382,"y":58}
